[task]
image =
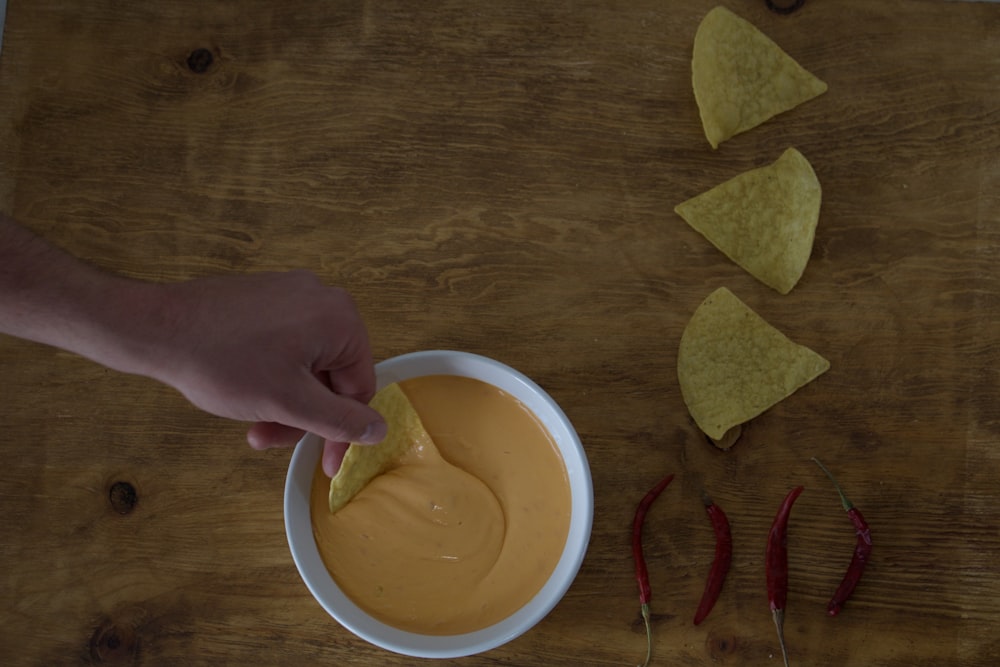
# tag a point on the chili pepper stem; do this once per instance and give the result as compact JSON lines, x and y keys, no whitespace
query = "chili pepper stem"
{"x":779,"y":623}
{"x":649,"y":635}
{"x":843,"y":498}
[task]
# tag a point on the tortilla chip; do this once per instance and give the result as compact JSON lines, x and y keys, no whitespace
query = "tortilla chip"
{"x":764,"y":219}
{"x":741,"y":78}
{"x":362,"y":463}
{"x":732,"y":365}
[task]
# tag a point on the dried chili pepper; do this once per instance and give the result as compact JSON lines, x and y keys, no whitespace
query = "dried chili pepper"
{"x":862,"y":549}
{"x":641,"y":575}
{"x":777,"y":566}
{"x":720,"y":565}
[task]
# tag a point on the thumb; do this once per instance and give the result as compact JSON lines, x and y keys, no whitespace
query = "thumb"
{"x":317,"y":409}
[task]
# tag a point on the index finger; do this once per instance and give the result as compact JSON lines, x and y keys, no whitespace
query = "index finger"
{"x":355,"y":380}
{"x":333,"y":456}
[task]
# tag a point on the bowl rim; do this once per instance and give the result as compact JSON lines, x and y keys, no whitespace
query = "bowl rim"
{"x":298,"y":524}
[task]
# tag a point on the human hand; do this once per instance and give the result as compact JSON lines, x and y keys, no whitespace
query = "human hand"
{"x":278,"y":349}
{"x":281,"y":350}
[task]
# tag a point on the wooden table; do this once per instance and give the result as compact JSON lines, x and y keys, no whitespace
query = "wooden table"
{"x":500,"y":177}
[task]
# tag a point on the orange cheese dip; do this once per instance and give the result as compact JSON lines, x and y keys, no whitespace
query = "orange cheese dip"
{"x":458,"y":535}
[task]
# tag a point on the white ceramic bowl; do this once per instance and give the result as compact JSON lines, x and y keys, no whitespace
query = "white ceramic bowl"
{"x":298,"y":525}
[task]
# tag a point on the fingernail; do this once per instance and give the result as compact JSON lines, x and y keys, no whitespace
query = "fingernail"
{"x":374,"y":433}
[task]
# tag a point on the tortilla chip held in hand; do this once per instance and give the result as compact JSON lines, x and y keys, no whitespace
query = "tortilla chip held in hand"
{"x":362,"y":463}
{"x":732,"y":365}
{"x":741,"y":78}
{"x":764,"y":219}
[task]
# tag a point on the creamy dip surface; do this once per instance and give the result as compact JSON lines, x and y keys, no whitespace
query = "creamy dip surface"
{"x":462,"y":532}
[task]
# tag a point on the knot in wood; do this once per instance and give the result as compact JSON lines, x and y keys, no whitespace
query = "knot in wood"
{"x":784,"y":7}
{"x":123,"y":497}
{"x":113,"y":643}
{"x":722,"y":648}
{"x":200,"y":60}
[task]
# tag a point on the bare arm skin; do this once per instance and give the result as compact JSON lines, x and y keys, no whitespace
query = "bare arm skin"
{"x":281,"y":350}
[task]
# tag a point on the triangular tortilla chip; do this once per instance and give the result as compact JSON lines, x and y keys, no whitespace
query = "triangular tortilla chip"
{"x":764,"y":219}
{"x":732,"y":365}
{"x":362,"y":463}
{"x":741,"y":78}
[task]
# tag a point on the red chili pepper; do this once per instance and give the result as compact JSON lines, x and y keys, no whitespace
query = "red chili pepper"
{"x":641,"y":575}
{"x":862,"y":549}
{"x":723,"y":559}
{"x":777,"y":566}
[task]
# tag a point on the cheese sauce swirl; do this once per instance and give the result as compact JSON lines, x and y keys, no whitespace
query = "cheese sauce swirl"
{"x":465,"y":529}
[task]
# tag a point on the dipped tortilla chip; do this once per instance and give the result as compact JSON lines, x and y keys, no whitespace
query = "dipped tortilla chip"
{"x":741,"y":78}
{"x":362,"y":463}
{"x":764,"y":219}
{"x":732,"y":365}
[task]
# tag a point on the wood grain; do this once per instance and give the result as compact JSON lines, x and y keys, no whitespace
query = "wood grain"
{"x":500,"y":178}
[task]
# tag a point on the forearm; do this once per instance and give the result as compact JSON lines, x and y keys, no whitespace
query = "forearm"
{"x":51,"y":297}
{"x":282,"y":350}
